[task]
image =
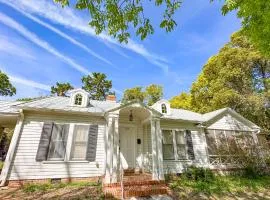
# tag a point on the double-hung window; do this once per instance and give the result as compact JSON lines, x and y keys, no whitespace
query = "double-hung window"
{"x":80,"y":141}
{"x":57,"y":148}
{"x":175,"y":145}
{"x":167,"y":144}
{"x":181,"y":144}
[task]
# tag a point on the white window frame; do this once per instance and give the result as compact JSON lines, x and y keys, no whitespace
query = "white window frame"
{"x":57,"y":159}
{"x":175,"y":144}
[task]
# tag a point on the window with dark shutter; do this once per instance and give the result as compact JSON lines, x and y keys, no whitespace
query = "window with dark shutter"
{"x":44,"y":141}
{"x":190,"y":150}
{"x":92,"y":143}
{"x":57,"y":148}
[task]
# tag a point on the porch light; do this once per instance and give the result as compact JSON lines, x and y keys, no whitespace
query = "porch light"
{"x":130,"y":116}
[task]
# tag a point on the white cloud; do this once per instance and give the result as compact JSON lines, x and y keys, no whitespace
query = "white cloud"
{"x":68,"y":18}
{"x":30,"y":83}
{"x":60,"y":33}
{"x":15,"y":49}
{"x":43,"y":44}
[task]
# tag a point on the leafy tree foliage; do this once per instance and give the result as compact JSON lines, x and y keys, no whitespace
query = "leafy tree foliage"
{"x":150,"y":95}
{"x":183,"y":100}
{"x":6,"y":88}
{"x":97,"y":85}
{"x":237,"y":77}
{"x":153,"y":93}
{"x":116,"y":17}
{"x":255,"y":15}
{"x":60,"y":89}
{"x":135,"y":93}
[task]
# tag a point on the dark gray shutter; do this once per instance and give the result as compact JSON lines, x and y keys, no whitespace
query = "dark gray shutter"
{"x":190,"y":149}
{"x":92,"y":143}
{"x":44,"y":141}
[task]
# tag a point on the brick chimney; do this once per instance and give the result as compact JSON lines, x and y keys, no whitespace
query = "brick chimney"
{"x":111,"y":97}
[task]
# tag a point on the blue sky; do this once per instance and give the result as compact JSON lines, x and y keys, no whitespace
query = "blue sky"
{"x":41,"y":43}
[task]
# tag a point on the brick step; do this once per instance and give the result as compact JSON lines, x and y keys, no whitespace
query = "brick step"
{"x":138,"y":191}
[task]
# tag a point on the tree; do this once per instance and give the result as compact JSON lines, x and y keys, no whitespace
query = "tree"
{"x":183,"y":100}
{"x":97,"y":85}
{"x":117,"y":17}
{"x":132,"y":94}
{"x":60,"y":89}
{"x":153,"y":93}
{"x":149,"y":95}
{"x":6,"y":88}
{"x":237,"y":77}
{"x":255,"y":16}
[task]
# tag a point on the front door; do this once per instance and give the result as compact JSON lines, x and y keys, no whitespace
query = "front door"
{"x":127,"y":147}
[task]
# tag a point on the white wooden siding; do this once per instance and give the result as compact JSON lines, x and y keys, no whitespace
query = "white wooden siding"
{"x":228,"y":122}
{"x":24,"y":165}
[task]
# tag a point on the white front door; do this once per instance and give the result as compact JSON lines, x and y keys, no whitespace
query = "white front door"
{"x":127,"y":147}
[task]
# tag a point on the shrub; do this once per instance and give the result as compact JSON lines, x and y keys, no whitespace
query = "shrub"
{"x":199,"y":174}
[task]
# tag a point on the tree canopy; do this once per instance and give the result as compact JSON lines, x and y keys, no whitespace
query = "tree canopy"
{"x":149,"y":95}
{"x":255,"y":15}
{"x":60,"y":89}
{"x":6,"y":88}
{"x":117,"y":17}
{"x":97,"y":85}
{"x":237,"y":77}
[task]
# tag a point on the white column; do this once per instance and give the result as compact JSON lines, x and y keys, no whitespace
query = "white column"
{"x":108,"y":144}
{"x":116,"y":160}
{"x":11,"y":149}
{"x":159,"y":150}
{"x":154,"y":150}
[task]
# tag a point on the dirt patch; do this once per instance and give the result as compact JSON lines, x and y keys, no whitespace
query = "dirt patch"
{"x":71,"y":193}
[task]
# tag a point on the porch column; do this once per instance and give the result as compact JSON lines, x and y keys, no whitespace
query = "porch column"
{"x":154,"y":150}
{"x":112,"y":149}
{"x":116,"y":158}
{"x":159,"y":149}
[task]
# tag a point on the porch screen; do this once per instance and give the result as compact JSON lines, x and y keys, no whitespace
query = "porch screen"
{"x":167,"y":144}
{"x":80,"y":139}
{"x":57,"y":148}
{"x":181,"y":144}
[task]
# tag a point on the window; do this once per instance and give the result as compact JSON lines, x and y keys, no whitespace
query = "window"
{"x":57,"y":148}
{"x":167,"y":145}
{"x":181,"y":144}
{"x":78,"y":99}
{"x":80,"y":139}
{"x":163,"y":108}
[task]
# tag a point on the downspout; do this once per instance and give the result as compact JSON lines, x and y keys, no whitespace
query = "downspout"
{"x":11,"y":149}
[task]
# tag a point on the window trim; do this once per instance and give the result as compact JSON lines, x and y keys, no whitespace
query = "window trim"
{"x":72,"y":142}
{"x":175,"y":144}
{"x":164,"y":106}
{"x":64,"y":157}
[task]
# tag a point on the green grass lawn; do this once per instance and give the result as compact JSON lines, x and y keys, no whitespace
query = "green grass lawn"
{"x":220,"y":186}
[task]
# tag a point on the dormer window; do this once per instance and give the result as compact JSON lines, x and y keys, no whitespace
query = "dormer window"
{"x":78,"y":99}
{"x":163,"y":108}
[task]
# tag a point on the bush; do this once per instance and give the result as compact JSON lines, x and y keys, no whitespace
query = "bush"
{"x":199,"y":174}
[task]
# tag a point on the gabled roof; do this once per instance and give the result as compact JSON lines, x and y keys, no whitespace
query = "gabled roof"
{"x":186,"y":115}
{"x":56,"y":103}
{"x":7,"y":107}
{"x":63,"y":104}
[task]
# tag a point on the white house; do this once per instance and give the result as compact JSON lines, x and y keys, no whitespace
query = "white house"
{"x":76,"y":137}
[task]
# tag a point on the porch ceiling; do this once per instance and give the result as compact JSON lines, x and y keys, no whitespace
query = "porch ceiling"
{"x":8,"y":121}
{"x":137,"y":112}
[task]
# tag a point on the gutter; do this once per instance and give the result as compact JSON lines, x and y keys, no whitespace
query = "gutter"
{"x":11,"y":149}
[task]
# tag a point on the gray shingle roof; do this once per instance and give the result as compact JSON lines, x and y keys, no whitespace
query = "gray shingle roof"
{"x":63,"y":103}
{"x":182,"y":114}
{"x":7,"y":106}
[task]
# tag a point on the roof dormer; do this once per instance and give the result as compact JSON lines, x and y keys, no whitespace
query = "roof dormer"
{"x":79,"y":97}
{"x":163,"y":106}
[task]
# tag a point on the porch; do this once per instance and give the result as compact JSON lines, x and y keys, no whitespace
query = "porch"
{"x":133,"y":141}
